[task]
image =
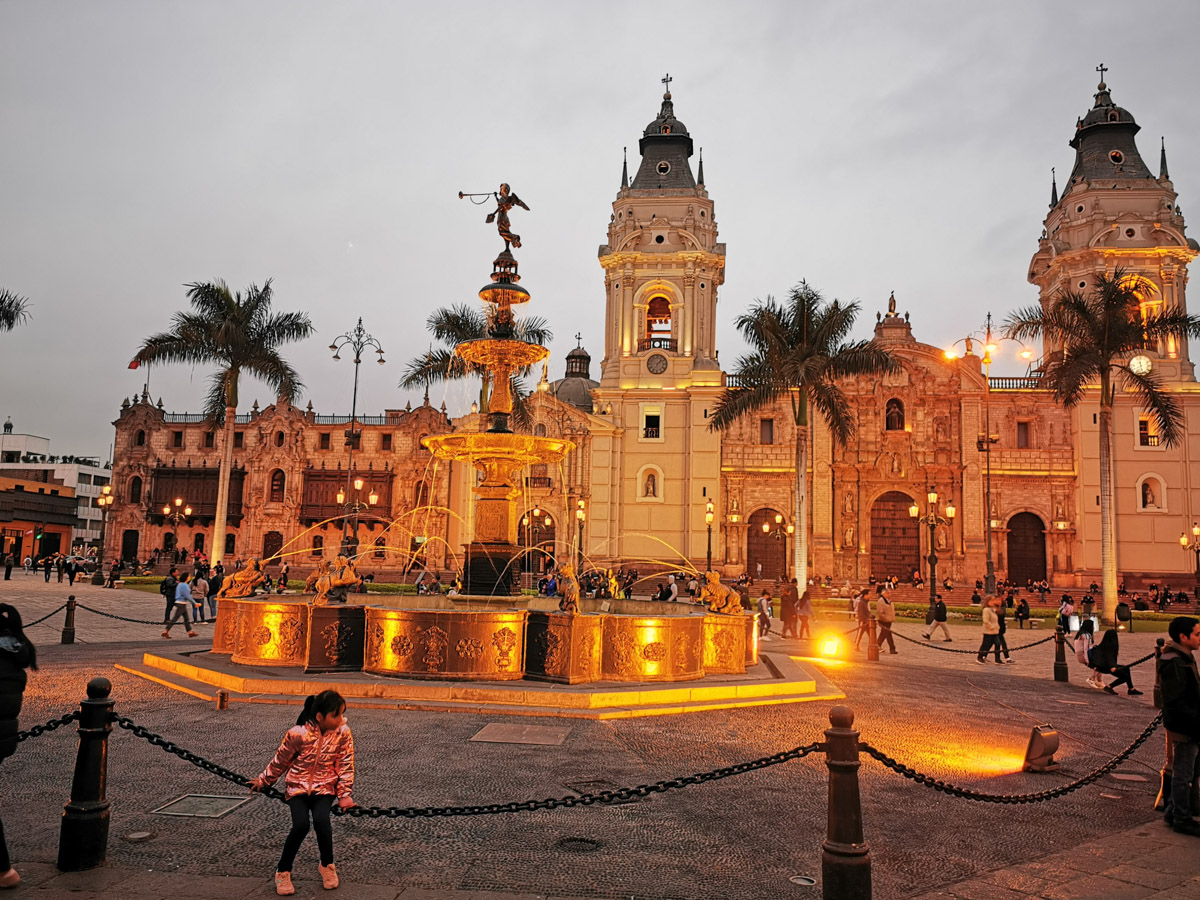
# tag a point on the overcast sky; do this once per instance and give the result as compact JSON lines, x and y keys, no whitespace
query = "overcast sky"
{"x":866,"y":147}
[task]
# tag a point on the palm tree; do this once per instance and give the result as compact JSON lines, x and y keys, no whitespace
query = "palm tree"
{"x":238,"y":334}
{"x":798,"y":351}
{"x":457,"y":325}
{"x":1096,"y":334}
{"x":14,"y":309}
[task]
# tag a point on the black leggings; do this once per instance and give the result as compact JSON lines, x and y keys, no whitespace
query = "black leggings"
{"x":301,"y":805}
{"x":5,"y":862}
{"x":1121,"y":673}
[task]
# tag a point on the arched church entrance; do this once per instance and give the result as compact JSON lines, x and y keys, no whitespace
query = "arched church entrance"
{"x":763,"y":548}
{"x":895,"y":537}
{"x":1026,"y":548}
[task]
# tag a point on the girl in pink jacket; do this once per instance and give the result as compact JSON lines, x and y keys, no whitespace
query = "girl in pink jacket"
{"x":318,"y":757}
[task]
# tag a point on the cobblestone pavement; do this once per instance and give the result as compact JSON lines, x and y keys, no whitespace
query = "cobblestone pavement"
{"x":740,"y":837}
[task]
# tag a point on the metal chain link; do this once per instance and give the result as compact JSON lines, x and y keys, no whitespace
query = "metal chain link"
{"x":394,"y":812}
{"x":904,"y":637}
{"x":1138,"y":662}
{"x":100,"y":612}
{"x":968,"y":794}
{"x":52,"y":725}
{"x":45,"y":617}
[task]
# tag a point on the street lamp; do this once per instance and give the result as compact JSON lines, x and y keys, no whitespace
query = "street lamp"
{"x":708,"y":520}
{"x":357,"y":340}
{"x":780,"y":533}
{"x":991,"y":344}
{"x":1194,"y":546}
{"x":355,"y":506}
{"x":933,"y":520}
{"x":105,"y":502}
{"x":580,"y":517}
{"x":175,"y":516}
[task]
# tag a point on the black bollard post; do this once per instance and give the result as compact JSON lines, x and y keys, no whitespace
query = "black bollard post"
{"x":83,"y":837}
{"x":845,"y":855}
{"x":872,"y":641}
{"x":1060,"y":655}
{"x":68,"y":630}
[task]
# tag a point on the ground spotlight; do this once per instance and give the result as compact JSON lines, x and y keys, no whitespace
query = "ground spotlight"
{"x":830,"y":646}
{"x":1043,"y":744}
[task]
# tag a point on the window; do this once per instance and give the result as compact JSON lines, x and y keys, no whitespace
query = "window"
{"x":420,"y":494}
{"x":539,"y":430}
{"x":1147,"y":432}
{"x":210,"y":440}
{"x":278,"y":482}
{"x":198,"y":542}
{"x":135,"y":489}
{"x":1022,"y":435}
{"x":318,"y":545}
{"x":324,"y":440}
{"x":385,"y":442}
{"x":230,"y":544}
{"x":139,"y":439}
{"x":380,"y":547}
{"x":176,"y":438}
{"x":766,"y":431}
{"x":651,"y":427}
{"x":239,"y":440}
{"x":893,"y":415}
{"x":658,"y":325}
{"x":280,"y":437}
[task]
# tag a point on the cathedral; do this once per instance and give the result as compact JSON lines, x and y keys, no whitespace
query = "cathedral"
{"x":650,"y":484}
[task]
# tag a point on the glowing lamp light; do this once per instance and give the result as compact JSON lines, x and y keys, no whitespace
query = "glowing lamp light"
{"x":932,"y":497}
{"x":791,"y":529}
{"x":372,"y":498}
{"x":341,"y":496}
{"x":166,"y":510}
{"x":474,"y":407}
{"x":1195,"y":530}
{"x":766,"y":528}
{"x":914,"y":511}
{"x":990,"y":348}
{"x":549,"y":521}
{"x":830,"y":646}
{"x":1026,"y":354}
{"x":187,"y":510}
{"x":951,"y":354}
{"x":178,"y":502}
{"x":537,"y":511}
{"x":778,"y":519}
{"x":1183,"y":541}
{"x":1043,"y":744}
{"x":1140,"y":365}
{"x":950,"y":510}
{"x":525,"y":522}
{"x":358,"y":484}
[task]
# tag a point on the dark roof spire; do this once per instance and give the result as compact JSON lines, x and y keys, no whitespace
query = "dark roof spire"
{"x":1053,"y":189}
{"x":1163,"y":174}
{"x":700,"y":171}
{"x":625,"y":168}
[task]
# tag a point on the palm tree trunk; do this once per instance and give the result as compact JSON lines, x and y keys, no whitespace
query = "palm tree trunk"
{"x":800,"y":511}
{"x":218,"y":545}
{"x":1108,"y":547}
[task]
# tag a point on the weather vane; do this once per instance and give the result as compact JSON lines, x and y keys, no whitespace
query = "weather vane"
{"x":505,"y":200}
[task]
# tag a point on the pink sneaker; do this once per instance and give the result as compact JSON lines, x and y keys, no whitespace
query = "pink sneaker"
{"x":283,"y":884}
{"x":329,"y":877}
{"x":11,"y":879}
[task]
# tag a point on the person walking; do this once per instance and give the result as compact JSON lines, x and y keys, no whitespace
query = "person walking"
{"x":789,"y":609}
{"x":1065,"y":610}
{"x":862,"y":615}
{"x":60,"y":565}
{"x":199,"y":594}
{"x":764,"y":615}
{"x":1103,"y":659}
{"x":317,"y":756}
{"x":804,"y":610}
{"x":9,"y":562}
{"x":939,"y":621}
{"x":17,"y":654}
{"x":47,"y":562}
{"x":183,"y":606}
{"x":991,"y":628}
{"x":885,"y":612}
{"x":1001,"y":638}
{"x":1179,"y":680}
{"x":167,"y":589}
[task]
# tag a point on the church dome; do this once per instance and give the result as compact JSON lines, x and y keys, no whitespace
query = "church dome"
{"x":1104,"y":144}
{"x":576,"y":388}
{"x":666,"y":123}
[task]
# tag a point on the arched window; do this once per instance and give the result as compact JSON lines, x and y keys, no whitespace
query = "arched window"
{"x":539,"y":430}
{"x":658,"y":324}
{"x":230,"y":544}
{"x":280,"y":437}
{"x":318,"y":545}
{"x":894,"y":415}
{"x":139,"y":439}
{"x":135,"y":489}
{"x":380,"y":547}
{"x":278,"y":482}
{"x":420,"y":494}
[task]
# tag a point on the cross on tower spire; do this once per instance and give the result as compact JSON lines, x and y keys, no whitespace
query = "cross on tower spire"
{"x":1102,"y":69}
{"x":667,"y":81}
{"x":578,"y":339}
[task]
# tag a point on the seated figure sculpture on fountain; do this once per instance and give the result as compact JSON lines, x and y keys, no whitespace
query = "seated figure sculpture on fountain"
{"x":243,"y":582}
{"x":720,"y":598}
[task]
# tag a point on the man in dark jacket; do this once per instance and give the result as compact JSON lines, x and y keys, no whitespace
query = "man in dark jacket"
{"x":16,"y":655}
{"x":938,"y":620}
{"x":167,"y":589}
{"x":1179,"y":680}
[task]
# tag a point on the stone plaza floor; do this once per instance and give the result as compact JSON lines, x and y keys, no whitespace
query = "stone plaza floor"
{"x":740,"y":837}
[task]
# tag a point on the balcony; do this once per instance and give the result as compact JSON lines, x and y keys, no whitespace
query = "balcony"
{"x":651,"y":433}
{"x":658,"y":343}
{"x":538,"y":481}
{"x":1022,"y":383}
{"x":1148,"y":440}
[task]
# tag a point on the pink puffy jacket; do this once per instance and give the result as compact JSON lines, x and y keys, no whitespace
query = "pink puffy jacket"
{"x":316,"y":762}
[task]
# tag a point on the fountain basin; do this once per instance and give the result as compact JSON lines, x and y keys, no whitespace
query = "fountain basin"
{"x":270,"y":633}
{"x":652,"y":648}
{"x":457,"y":645}
{"x":563,"y":648}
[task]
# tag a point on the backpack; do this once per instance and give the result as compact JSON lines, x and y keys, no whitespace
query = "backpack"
{"x":167,"y":586}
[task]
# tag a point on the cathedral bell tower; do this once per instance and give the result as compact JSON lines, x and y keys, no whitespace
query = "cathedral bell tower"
{"x":1115,"y":213}
{"x":659,"y":379}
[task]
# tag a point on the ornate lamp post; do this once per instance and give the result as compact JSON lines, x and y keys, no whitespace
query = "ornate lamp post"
{"x":780,"y":533}
{"x":357,"y":340}
{"x":708,"y":520}
{"x":991,"y":344}
{"x":175,"y":516}
{"x":105,"y":502}
{"x":1194,"y":546}
{"x":933,"y":520}
{"x":354,"y":507}
{"x":580,"y":517}
{"x":533,"y":528}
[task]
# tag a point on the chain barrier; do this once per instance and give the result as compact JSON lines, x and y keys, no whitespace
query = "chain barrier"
{"x":52,"y":725}
{"x":1138,"y":662}
{"x":119,"y":618}
{"x":45,"y":617}
{"x":414,"y":812}
{"x":1049,"y":637}
{"x":969,"y":794}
